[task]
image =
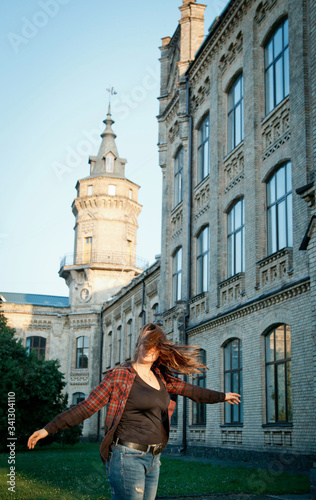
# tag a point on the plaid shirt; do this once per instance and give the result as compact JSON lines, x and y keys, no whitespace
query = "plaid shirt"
{"x":114,"y":389}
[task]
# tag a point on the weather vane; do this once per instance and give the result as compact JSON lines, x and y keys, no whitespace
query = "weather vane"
{"x":111,"y":91}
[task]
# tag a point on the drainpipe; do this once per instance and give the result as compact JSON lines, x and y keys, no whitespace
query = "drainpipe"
{"x":188,"y":294}
{"x":100,"y":370}
{"x":143,"y":299}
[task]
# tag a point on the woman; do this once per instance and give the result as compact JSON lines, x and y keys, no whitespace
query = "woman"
{"x":139,"y":408}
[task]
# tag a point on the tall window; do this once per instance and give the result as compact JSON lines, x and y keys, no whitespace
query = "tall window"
{"x":235,"y":121}
{"x":37,"y":344}
{"x":276,"y":62}
{"x":236,"y":239}
{"x":82,"y":352}
{"x":233,"y":379}
{"x":109,"y":163}
{"x":203,"y":250}
{"x":129,"y":339}
{"x":155,"y":311}
{"x":279,"y":209}
{"x":109,"y":353}
{"x":199,"y":409}
{"x":177,"y":275}
{"x":90,"y":190}
{"x":278,"y":375}
{"x":204,"y":149}
{"x":178,"y":178}
{"x":78,"y":397}
{"x":174,"y":416}
{"x":119,"y":344}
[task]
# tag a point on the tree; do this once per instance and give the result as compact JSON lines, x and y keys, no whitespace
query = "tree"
{"x":37,"y":385}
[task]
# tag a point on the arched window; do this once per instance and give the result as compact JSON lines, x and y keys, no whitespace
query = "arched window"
{"x":109,"y":352}
{"x":177,"y":275}
{"x":119,"y":345}
{"x":78,"y":397}
{"x":204,"y":149}
{"x":278,"y":375}
{"x":178,"y":178}
{"x":236,"y":239}
{"x":235,"y":122}
{"x":276,"y":63}
{"x":82,"y":352}
{"x":233,"y":379}
{"x":199,"y":409}
{"x":202,"y":260}
{"x":37,"y":344}
{"x":279,"y":209}
{"x":129,"y":339}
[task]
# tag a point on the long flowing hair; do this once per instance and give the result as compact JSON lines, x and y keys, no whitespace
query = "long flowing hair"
{"x":176,"y":358}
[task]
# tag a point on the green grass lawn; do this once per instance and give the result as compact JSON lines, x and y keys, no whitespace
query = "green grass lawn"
{"x":76,"y":472}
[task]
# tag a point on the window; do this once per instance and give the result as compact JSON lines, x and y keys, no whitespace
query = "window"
{"x":177,"y":275}
{"x":233,"y":379}
{"x":109,"y":163}
{"x":111,"y":189}
{"x":90,"y":190}
{"x":174,"y":416}
{"x":82,"y":352}
{"x":235,"y":121}
{"x":203,"y":249}
{"x":109,"y":353}
{"x":37,"y":344}
{"x":78,"y":397}
{"x":279,"y":210}
{"x":178,"y":178}
{"x":276,"y":63}
{"x":129,"y":339}
{"x":155,"y":312}
{"x":203,"y":150}
{"x":236,"y":239}
{"x":119,"y":344}
{"x":278,"y":375}
{"x":130,"y":194}
{"x":199,"y":409}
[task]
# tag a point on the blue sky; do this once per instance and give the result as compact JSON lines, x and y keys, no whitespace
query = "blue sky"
{"x":58,"y":57}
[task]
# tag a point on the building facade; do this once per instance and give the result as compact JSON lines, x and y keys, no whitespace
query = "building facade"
{"x":236,"y":135}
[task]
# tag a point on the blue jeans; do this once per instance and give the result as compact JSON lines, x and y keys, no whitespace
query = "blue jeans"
{"x":132,"y":474}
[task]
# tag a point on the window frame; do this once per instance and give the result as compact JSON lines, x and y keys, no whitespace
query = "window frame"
{"x":286,"y":361}
{"x":232,"y":268}
{"x":202,"y":260}
{"x":83,"y":350}
{"x":198,"y":410}
{"x":40,"y":349}
{"x":178,"y":176}
{"x":232,"y":108}
{"x":177,"y":275}
{"x":203,"y":143}
{"x":229,"y":410}
{"x":283,"y":55}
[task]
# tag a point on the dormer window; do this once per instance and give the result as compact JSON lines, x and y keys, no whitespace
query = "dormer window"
{"x":109,"y":163}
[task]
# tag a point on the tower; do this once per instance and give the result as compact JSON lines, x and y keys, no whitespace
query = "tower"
{"x":106,"y":211}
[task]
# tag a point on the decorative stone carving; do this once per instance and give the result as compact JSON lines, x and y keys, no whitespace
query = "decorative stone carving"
{"x":231,"y":436}
{"x":231,"y":290}
{"x":200,"y":95}
{"x":278,"y":437}
{"x":276,"y":129}
{"x":201,"y":198}
{"x":174,"y":131}
{"x":262,"y":10}
{"x":177,"y":221}
{"x":79,"y":378}
{"x":234,"y":168}
{"x":275,"y":267}
{"x":197,"y":435}
{"x":230,"y":55}
{"x":198,"y":306}
{"x":168,"y":321}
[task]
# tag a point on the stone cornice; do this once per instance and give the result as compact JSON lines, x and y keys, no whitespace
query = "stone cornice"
{"x":274,"y":297}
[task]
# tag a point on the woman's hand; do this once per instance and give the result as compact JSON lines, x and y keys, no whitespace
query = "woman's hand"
{"x":232,"y":398}
{"x":42,"y":433}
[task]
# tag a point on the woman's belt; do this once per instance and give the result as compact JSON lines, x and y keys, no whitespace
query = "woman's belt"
{"x":150,"y":448}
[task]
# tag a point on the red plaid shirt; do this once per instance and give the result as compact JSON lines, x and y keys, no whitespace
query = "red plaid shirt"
{"x":114,"y":389}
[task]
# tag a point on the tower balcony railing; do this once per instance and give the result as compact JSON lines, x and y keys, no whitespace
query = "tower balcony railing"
{"x":110,"y":258}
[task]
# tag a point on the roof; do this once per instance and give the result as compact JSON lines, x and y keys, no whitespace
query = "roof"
{"x":34,"y":299}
